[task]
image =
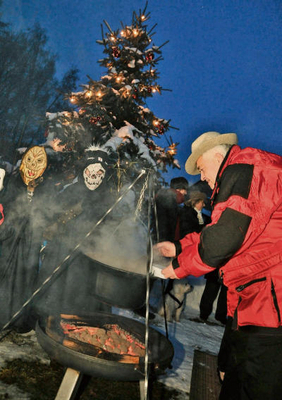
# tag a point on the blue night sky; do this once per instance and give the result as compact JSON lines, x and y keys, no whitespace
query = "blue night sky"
{"x":223,"y":61}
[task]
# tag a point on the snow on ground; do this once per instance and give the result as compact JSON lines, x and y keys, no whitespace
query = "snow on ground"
{"x":186,"y":336}
{"x":27,"y":350}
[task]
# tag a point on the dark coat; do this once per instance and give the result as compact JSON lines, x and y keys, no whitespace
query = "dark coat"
{"x":167,"y":206}
{"x":189,"y":221}
{"x":71,"y":289}
{"x":20,"y":241}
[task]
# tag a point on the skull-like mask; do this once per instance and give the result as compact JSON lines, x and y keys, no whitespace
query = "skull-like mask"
{"x":93,"y":175}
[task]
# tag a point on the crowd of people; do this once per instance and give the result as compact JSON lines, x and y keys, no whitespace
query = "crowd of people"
{"x":243,"y":245}
{"x":44,"y":218}
{"x":179,"y":211}
{"x":238,"y":248}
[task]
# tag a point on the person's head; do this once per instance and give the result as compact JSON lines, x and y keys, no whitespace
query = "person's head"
{"x":197,"y":200}
{"x":95,"y":167}
{"x":180,"y":184}
{"x":207,"y":154}
{"x":33,"y":164}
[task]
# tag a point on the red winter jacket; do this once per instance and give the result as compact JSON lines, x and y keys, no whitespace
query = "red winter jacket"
{"x":244,"y":239}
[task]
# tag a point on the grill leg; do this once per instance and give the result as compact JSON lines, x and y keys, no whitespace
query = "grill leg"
{"x":142,"y":389}
{"x":145,"y":392}
{"x":69,"y":385}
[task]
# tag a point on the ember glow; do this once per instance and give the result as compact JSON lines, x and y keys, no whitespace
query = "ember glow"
{"x":110,"y":338}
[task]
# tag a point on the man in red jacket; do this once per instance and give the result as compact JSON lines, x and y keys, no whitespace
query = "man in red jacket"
{"x":244,"y":243}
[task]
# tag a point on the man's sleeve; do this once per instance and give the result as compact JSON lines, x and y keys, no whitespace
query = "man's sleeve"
{"x":231,"y":218}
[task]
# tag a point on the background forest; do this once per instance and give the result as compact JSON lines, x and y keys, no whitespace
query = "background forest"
{"x":29,"y":87}
{"x":111,"y":112}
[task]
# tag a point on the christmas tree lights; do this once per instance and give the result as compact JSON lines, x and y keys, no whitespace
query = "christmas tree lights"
{"x":106,"y":108}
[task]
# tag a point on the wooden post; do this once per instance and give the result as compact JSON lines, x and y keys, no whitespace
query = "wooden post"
{"x":69,"y":385}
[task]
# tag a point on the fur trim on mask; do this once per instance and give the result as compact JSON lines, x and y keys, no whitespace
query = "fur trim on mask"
{"x":95,"y":154}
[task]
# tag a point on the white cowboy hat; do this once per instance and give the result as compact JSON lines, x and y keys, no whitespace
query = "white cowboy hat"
{"x":205,"y":142}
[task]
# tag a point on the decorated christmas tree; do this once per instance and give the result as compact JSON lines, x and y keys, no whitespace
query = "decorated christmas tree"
{"x":81,"y":197}
{"x":112,"y":113}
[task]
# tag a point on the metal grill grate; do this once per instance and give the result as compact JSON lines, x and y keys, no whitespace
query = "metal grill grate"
{"x":204,"y":381}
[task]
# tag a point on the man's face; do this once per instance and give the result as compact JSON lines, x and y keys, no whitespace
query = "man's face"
{"x":182,"y":191}
{"x":208,"y":166}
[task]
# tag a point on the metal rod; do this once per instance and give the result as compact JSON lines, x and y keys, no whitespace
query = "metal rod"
{"x":149,"y":267}
{"x":162,"y":281}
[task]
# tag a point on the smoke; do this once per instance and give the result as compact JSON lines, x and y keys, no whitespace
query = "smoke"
{"x":121,"y":245}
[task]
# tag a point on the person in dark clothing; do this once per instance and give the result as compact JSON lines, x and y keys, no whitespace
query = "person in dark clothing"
{"x":191,"y":217}
{"x":193,"y":220}
{"x":20,"y":233}
{"x":212,"y":288}
{"x":80,"y":206}
{"x":167,"y":209}
{"x":166,"y":218}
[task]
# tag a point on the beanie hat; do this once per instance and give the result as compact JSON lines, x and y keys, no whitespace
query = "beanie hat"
{"x":179,"y":183}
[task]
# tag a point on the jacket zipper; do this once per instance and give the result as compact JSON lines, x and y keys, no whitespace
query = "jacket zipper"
{"x":220,"y":279}
{"x":275,"y":301}
{"x":273,"y":293}
{"x":242,"y":287}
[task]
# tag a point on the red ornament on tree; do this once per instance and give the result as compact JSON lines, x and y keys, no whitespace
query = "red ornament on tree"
{"x":135,"y":93}
{"x":116,"y":52}
{"x":150,"y":56}
{"x":94,"y":120}
{"x":161,"y":129}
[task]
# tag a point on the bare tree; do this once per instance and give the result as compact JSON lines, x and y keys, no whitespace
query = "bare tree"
{"x":28,"y":86}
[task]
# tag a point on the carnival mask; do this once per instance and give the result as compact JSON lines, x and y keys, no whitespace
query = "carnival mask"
{"x":34,"y":163}
{"x":93,"y":175}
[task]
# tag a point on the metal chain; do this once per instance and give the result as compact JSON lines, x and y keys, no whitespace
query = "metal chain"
{"x":141,"y":197}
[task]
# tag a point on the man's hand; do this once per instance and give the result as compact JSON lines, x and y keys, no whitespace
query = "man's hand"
{"x":166,"y":249}
{"x":168,"y":272}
